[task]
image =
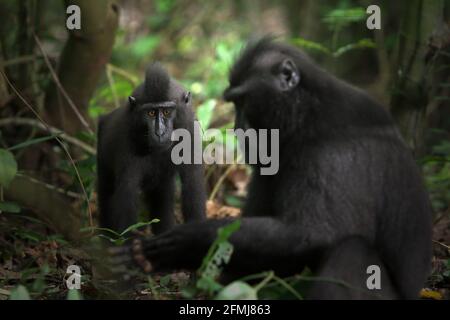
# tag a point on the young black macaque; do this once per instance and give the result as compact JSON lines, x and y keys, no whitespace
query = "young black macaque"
{"x":134,"y":156}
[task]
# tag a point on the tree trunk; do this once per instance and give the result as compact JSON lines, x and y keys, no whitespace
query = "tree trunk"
{"x":412,"y":78}
{"x":81,"y":63}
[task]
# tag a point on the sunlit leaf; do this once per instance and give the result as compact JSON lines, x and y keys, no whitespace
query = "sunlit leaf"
{"x":361,"y":44}
{"x":311,"y":45}
{"x":343,"y":17}
{"x":218,"y":255}
{"x":138,"y":225}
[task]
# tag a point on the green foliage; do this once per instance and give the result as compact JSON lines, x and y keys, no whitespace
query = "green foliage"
{"x":338,"y":52}
{"x":162,"y":14}
{"x":234,"y":201}
{"x":164,"y":6}
{"x":337,"y":20}
{"x":33,"y":283}
{"x":8,"y":168}
{"x":6,"y":206}
{"x":19,"y":293}
{"x":39,"y":285}
{"x":109,"y":96}
{"x":340,"y":18}
{"x":205,"y":112}
{"x":218,"y":255}
{"x":144,"y":46}
{"x":437,"y":175}
{"x":212,"y":70}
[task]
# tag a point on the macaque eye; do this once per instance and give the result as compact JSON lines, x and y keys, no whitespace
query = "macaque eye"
{"x":187,"y":97}
{"x":152,"y":113}
{"x":166,"y":113}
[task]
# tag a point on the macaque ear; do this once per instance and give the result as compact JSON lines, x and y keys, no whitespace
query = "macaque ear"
{"x":187,"y":97}
{"x":288,"y":75}
{"x":132,"y":101}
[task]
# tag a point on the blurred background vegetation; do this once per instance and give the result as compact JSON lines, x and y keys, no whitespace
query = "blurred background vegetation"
{"x":55,"y":83}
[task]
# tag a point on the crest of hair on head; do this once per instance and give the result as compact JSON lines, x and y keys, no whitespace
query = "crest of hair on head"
{"x":157,"y":83}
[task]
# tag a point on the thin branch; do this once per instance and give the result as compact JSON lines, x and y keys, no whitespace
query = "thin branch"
{"x":67,"y":193}
{"x":60,"y":86}
{"x":442,"y":244}
{"x":55,"y":131}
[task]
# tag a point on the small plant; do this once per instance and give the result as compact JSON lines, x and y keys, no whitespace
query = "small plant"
{"x":218,"y":256}
{"x":116,"y":237}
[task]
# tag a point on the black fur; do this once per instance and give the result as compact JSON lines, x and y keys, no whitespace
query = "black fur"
{"x":132,"y":159}
{"x":348,"y":193}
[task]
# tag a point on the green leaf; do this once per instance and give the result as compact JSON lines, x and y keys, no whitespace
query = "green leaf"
{"x":8,"y":167}
{"x":74,"y":294}
{"x":9,"y":207}
{"x":95,"y":111}
{"x":222,"y":236}
{"x":19,"y":293}
{"x":311,"y":45}
{"x":228,"y":230}
{"x":361,"y":44}
{"x":233,"y":201}
{"x":219,"y":254}
{"x":138,"y":225}
{"x":33,"y":141}
{"x":344,"y":16}
{"x":237,"y":290}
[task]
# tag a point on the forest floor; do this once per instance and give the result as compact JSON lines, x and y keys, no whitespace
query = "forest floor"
{"x":32,"y":255}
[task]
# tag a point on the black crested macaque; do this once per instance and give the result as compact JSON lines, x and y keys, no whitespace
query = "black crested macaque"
{"x":134,"y":156}
{"x":348,"y":193}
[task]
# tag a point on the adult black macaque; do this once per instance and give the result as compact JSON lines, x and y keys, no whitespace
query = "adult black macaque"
{"x":347,"y":194}
{"x":134,"y":155}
